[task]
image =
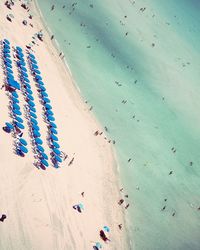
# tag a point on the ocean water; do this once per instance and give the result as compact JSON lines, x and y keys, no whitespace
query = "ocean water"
{"x":138,"y":64}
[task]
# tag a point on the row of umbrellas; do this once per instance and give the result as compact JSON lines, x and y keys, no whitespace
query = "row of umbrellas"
{"x":15,"y":108}
{"x":35,"y":130}
{"x":49,"y":115}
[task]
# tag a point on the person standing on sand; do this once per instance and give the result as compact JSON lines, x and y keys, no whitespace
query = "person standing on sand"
{"x":3,"y":217}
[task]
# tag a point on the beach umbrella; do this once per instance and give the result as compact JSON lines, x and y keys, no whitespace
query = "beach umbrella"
{"x":22,"y":63}
{"x":7,"y":55}
{"x":30,"y":97}
{"x":17,"y":112}
{"x":36,"y":133}
{"x":14,"y":84}
{"x":23,"y":149}
{"x":48,"y":106}
{"x":34,"y":121}
{"x":44,"y":156}
{"x":10,"y":71}
{"x":40,"y":82}
{"x":44,"y":162}
{"x":23,"y":142}
{"x":34,"y":66}
{"x":81,"y":206}
{"x":15,"y":94}
{"x":32,"y":109}
{"x":33,"y":115}
{"x":56,"y":145}
{"x":32,"y":104}
{"x":56,"y":151}
{"x":57,"y":158}
{"x":32,"y":56}
{"x":50,"y":118}
{"x":42,"y":88}
{"x":106,"y":229}
{"x":23,"y":69}
{"x":98,"y":245}
{"x":27,"y":85}
{"x":15,"y":100}
{"x":44,"y":94}
{"x":9,"y":125}
{"x":53,"y":131}
{"x":35,"y":127}
{"x":53,"y":125}
{"x":7,"y":60}
{"x":6,"y":41}
{"x":8,"y":65}
{"x":37,"y":77}
{"x":38,"y":141}
{"x":24,"y":74}
{"x":19,"y":119}
{"x":49,"y":112}
{"x":54,"y":138}
{"x":19,"y":48}
{"x":19,"y":125}
{"x":40,"y":148}
{"x":29,"y":91}
{"x":16,"y":106}
{"x":6,"y":51}
{"x":33,"y":61}
{"x":7,"y":46}
{"x":45,"y":99}
{"x":37,"y":71}
{"x":26,"y":79}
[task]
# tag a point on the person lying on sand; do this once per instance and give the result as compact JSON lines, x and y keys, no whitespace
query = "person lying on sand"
{"x":103,"y":236}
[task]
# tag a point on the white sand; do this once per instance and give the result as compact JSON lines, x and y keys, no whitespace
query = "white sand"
{"x":38,"y":203}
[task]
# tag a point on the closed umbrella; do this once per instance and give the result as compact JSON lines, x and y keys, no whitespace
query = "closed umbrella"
{"x":23,"y":149}
{"x":23,"y":142}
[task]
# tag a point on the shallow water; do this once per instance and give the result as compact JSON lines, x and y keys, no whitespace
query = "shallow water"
{"x":154,"y":68}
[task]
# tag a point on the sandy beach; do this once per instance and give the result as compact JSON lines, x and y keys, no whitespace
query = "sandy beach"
{"x":39,"y":204}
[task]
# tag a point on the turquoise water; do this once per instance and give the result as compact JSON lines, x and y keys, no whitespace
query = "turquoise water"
{"x":150,"y":58}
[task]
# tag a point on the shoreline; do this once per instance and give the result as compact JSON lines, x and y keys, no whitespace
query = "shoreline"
{"x":67,"y":83}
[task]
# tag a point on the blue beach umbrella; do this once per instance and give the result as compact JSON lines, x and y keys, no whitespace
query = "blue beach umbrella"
{"x":44,"y":94}
{"x":8,"y":65}
{"x":45,"y":99}
{"x":56,"y":145}
{"x":27,"y":85}
{"x":40,"y":82}
{"x":23,"y":142}
{"x":33,"y":121}
{"x":33,"y":61}
{"x":17,"y":112}
{"x":34,"y":66}
{"x":48,"y":106}
{"x":49,"y":112}
{"x":19,"y":119}
{"x":50,"y":118}
{"x":44,"y":156}
{"x":56,"y":151}
{"x":6,"y":41}
{"x":37,"y":71}
{"x":9,"y":125}
{"x":36,"y":133}
{"x":58,"y":158}
{"x":19,"y":125}
{"x":32,"y":109}
{"x":37,"y":77}
{"x":44,"y":162}
{"x":38,"y":141}
{"x":16,"y":106}
{"x":53,"y":125}
{"x":33,"y":115}
{"x":23,"y":69}
{"x":29,"y":91}
{"x":36,"y":127}
{"x":30,"y":103}
{"x":7,"y":60}
{"x":19,"y":48}
{"x":22,"y":63}
{"x":40,"y":148}
{"x":42,"y":88}
{"x":7,"y":55}
{"x":15,"y":94}
{"x":54,"y":138}
{"x":106,"y":229}
{"x":30,"y":97}
{"x":26,"y":80}
{"x":6,"y":46}
{"x":53,"y":131}
{"x":23,"y":149}
{"x":31,"y":56}
{"x":24,"y":74}
{"x":15,"y":100}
